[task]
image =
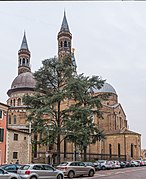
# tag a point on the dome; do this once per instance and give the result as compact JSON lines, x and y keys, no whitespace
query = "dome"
{"x":24,"y":80}
{"x":107,"y":88}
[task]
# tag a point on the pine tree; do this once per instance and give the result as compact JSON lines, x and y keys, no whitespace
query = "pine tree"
{"x":83,"y":130}
{"x":58,"y":84}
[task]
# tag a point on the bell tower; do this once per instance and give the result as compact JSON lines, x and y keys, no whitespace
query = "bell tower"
{"x":24,"y":57}
{"x":64,"y":39}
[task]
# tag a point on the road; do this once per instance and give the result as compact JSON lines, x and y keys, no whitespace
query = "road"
{"x":124,"y":173}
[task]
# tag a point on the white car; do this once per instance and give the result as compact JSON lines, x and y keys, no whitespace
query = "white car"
{"x":7,"y":175}
{"x":39,"y":171}
{"x":76,"y":168}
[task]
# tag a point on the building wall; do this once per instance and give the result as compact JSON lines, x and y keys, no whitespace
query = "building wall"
{"x":3,"y":126}
{"x":19,"y":149}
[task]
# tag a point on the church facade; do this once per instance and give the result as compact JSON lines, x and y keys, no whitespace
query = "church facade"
{"x":120,"y":143}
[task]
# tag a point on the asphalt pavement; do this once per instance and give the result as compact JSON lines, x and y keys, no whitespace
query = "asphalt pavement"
{"x":122,"y":173}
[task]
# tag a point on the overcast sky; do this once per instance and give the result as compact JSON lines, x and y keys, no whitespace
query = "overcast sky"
{"x":109,"y":38}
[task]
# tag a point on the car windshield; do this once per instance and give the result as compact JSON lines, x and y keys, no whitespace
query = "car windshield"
{"x":24,"y":167}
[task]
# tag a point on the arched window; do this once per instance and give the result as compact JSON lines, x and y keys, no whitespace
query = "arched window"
{"x":119,"y":151}
{"x":15,"y":120}
{"x":65,"y":43}
{"x":19,"y":102}
{"x":61,"y":44}
{"x":23,"y":61}
{"x":110,"y":150}
{"x":27,"y":61}
{"x":35,"y":146}
{"x":11,"y":103}
{"x":14,"y":102}
{"x":10,"y":119}
{"x":132,"y":150}
{"x":69,"y":44}
{"x":20,"y":61}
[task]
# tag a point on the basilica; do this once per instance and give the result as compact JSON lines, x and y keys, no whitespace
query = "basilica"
{"x":120,"y":143}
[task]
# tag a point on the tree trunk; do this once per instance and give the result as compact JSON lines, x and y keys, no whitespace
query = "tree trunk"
{"x":58,"y":149}
{"x":85,"y":153}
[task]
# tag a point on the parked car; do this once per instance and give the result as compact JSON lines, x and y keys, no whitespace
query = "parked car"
{"x":11,"y":167}
{"x":39,"y":171}
{"x":96,"y":165}
{"x":116,"y":164}
{"x":105,"y":164}
{"x":76,"y":168}
{"x":141,"y":162}
{"x":134,"y":163}
{"x":128,"y":164}
{"x":6,"y":175}
{"x":122,"y":164}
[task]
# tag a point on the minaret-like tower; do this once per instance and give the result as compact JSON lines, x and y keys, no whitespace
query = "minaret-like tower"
{"x":64,"y":39}
{"x":24,"y":57}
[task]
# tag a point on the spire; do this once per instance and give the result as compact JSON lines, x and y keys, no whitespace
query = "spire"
{"x":64,"y":26}
{"x":24,"y":57}
{"x":24,"y":43}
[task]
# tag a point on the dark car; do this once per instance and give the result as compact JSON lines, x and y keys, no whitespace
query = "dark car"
{"x":122,"y":164}
{"x":11,"y":167}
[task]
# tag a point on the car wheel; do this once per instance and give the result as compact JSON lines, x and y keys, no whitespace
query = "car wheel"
{"x":60,"y":176}
{"x":91,"y":173}
{"x":103,"y":168}
{"x":71,"y":174}
{"x":33,"y":177}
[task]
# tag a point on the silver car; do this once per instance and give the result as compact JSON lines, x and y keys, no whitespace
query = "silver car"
{"x":6,"y":175}
{"x":76,"y":168}
{"x":39,"y":171}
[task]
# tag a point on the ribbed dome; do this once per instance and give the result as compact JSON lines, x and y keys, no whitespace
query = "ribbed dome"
{"x":107,"y":88}
{"x":24,"y":80}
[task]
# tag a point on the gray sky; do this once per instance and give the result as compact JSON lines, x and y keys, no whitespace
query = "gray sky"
{"x":109,"y":38}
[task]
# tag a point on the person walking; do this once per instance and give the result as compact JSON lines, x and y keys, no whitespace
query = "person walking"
{"x":17,"y":162}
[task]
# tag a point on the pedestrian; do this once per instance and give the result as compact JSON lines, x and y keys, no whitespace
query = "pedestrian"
{"x":11,"y":162}
{"x":17,"y":162}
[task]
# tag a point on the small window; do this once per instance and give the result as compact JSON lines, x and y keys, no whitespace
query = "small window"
{"x":14,"y":103}
{"x":65,"y":43}
{"x":15,"y":136}
{"x":14,"y":119}
{"x":1,"y":134}
{"x":10,"y":119}
{"x":24,"y":138}
{"x":23,"y":61}
{"x":15,"y":155}
{"x":19,"y":102}
{"x":61,"y":44}
{"x":1,"y":112}
{"x":20,"y":61}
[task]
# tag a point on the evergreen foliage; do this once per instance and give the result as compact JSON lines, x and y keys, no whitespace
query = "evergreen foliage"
{"x":57,"y":84}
